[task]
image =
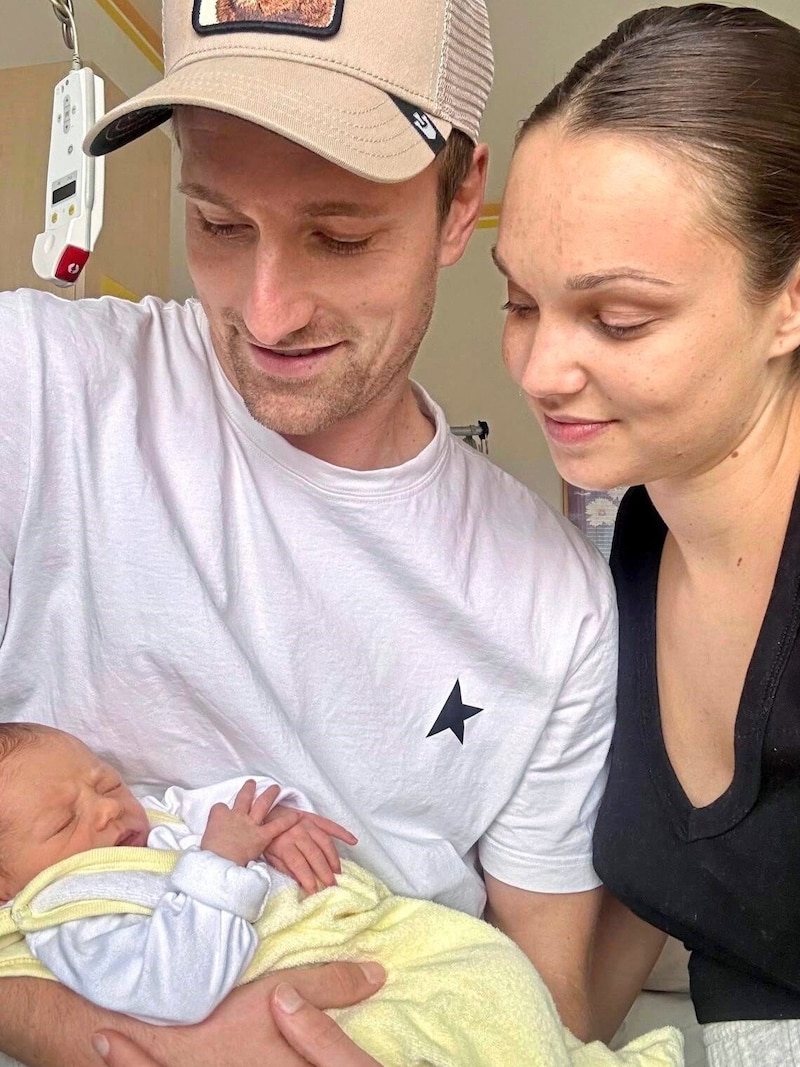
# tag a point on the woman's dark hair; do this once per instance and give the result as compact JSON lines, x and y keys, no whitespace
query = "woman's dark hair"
{"x":718,"y":87}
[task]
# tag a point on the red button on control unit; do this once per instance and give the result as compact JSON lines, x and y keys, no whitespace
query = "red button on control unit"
{"x":72,"y":262}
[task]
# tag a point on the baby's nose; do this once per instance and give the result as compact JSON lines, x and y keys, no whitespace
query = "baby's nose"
{"x":108,"y":809}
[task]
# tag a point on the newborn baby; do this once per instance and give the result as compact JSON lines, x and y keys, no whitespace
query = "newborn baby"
{"x":158,"y":908}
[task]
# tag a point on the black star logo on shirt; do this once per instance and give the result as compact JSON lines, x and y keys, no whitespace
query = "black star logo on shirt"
{"x":454,"y":714}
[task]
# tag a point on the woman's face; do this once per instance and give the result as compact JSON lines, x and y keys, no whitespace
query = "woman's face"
{"x":628,"y":327}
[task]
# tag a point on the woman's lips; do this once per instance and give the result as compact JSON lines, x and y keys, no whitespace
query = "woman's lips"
{"x":574,"y":431}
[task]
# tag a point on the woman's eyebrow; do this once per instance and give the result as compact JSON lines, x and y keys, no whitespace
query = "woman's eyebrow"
{"x":580,"y":282}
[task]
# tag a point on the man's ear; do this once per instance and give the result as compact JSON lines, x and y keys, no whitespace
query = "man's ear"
{"x":465,"y":210}
{"x":787,"y":332}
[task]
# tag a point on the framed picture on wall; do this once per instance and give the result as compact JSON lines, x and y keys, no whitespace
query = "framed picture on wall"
{"x":594,"y":512}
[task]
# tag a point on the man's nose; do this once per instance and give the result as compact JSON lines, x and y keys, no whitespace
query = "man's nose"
{"x":279,"y":301}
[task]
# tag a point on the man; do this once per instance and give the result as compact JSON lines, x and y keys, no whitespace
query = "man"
{"x":236,"y":539}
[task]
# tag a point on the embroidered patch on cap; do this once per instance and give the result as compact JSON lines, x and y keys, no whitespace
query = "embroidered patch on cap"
{"x":310,"y":18}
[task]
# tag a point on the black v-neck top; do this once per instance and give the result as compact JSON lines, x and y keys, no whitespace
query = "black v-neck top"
{"x":725,"y":878}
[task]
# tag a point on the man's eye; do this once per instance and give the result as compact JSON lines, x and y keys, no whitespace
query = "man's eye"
{"x":216,"y":229}
{"x":343,"y":247}
{"x":219,"y":229}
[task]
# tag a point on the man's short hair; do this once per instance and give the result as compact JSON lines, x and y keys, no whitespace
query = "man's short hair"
{"x":454,"y":164}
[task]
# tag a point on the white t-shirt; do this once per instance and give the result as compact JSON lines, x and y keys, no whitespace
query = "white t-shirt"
{"x":197,"y":600}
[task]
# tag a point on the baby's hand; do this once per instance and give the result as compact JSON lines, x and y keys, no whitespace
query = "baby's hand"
{"x":305,"y":851}
{"x":241,"y":833}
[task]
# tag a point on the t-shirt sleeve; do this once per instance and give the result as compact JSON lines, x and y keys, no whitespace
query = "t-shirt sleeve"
{"x":542,"y":839}
{"x":15,"y":430}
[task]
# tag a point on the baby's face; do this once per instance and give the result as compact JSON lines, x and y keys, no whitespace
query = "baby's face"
{"x":58,"y":799}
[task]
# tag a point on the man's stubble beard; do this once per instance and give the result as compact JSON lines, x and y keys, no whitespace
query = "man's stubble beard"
{"x":352,"y":384}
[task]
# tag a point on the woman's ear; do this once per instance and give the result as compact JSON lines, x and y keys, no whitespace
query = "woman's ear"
{"x":787,"y":333}
{"x":465,"y":209}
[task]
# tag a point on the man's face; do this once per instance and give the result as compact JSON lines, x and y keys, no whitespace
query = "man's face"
{"x":59,"y":799}
{"x":318,"y":285}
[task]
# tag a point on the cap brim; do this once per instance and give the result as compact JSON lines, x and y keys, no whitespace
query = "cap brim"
{"x":353,"y":124}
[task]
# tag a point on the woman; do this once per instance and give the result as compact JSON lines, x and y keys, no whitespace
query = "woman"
{"x":650,"y":236}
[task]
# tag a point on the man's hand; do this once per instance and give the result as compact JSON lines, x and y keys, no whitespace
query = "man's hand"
{"x":312,"y":1036}
{"x":313,"y":1033}
{"x":241,"y":833}
{"x":305,"y":851}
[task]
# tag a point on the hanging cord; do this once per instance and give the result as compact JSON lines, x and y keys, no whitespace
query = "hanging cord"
{"x":65,"y":15}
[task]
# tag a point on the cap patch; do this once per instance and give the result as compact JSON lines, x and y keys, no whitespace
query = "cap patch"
{"x":309,"y":18}
{"x":422,"y":123}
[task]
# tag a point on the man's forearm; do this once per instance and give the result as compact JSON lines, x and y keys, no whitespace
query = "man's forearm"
{"x":555,"y":931}
{"x":572,"y":1001}
{"x":42,"y":1024}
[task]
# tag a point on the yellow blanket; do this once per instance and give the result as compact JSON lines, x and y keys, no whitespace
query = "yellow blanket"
{"x":458,"y":992}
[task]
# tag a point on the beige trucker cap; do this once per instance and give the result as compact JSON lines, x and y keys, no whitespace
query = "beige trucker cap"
{"x":376,"y":86}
